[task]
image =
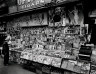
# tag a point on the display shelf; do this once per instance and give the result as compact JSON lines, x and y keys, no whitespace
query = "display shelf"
{"x":37,"y":26}
{"x":3,"y":32}
{"x":15,"y":51}
{"x":82,"y":61}
{"x":60,"y":64}
{"x":84,"y":55}
{"x":53,"y":66}
{"x":39,"y":8}
{"x":64,"y":26}
{"x":72,"y":34}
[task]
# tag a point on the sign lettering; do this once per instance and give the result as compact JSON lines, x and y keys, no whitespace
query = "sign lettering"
{"x":21,"y":2}
{"x":27,"y":4}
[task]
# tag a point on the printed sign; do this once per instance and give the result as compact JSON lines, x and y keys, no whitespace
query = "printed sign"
{"x":29,"y":4}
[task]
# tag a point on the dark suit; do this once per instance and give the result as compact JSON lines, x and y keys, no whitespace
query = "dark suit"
{"x":6,"y":53}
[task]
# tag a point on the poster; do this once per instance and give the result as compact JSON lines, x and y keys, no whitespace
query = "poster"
{"x":38,"y":19}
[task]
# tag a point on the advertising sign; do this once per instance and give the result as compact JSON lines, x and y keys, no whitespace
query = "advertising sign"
{"x":38,"y":19}
{"x":29,"y":4}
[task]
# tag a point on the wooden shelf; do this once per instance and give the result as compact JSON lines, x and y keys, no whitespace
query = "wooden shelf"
{"x":52,"y":66}
{"x":84,"y":55}
{"x":34,"y":26}
{"x":3,"y":32}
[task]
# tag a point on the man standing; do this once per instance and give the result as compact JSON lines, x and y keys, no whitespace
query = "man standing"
{"x":6,"y":51}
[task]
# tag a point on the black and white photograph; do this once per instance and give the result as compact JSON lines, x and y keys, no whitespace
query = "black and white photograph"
{"x":47,"y":37}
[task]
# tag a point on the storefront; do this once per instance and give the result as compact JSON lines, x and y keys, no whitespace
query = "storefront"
{"x":50,"y":35}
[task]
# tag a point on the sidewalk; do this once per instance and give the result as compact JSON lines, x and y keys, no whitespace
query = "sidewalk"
{"x":12,"y":69}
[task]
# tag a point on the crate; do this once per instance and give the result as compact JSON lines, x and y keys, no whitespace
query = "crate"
{"x":56,"y":71}
{"x":67,"y":72}
{"x":45,"y":73}
{"x":46,"y":69}
{"x":38,"y":71}
{"x":37,"y":65}
{"x":32,"y":68}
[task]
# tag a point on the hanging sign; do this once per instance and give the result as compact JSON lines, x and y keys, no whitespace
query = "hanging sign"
{"x":29,"y":4}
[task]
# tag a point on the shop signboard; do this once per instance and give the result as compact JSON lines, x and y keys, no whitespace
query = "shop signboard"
{"x":30,"y":4}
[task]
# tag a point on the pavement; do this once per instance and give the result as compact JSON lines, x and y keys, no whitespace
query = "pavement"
{"x":13,"y":69}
